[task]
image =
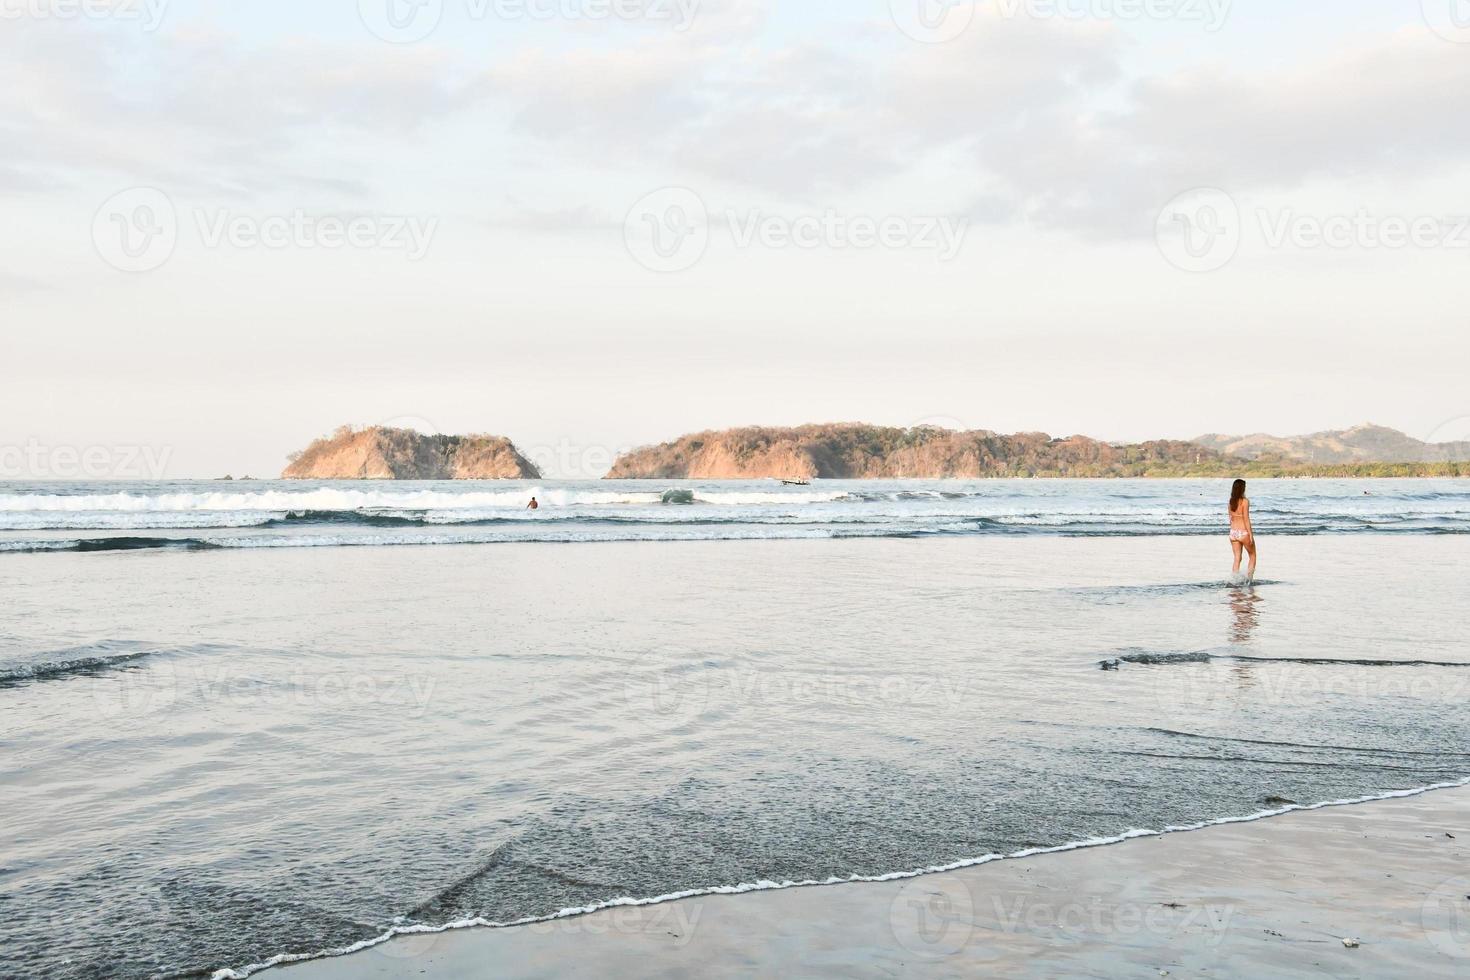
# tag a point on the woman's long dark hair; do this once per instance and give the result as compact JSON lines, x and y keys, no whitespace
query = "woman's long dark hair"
{"x":1237,"y":493}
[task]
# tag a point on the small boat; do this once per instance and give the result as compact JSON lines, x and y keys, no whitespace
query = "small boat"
{"x":797,"y":483}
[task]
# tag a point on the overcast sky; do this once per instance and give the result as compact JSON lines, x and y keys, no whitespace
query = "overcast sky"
{"x":590,"y":224}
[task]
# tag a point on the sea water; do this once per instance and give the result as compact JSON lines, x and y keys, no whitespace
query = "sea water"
{"x":219,"y":746}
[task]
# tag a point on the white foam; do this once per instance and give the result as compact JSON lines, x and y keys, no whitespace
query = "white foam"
{"x":133,"y":521}
{"x":766,"y":885}
{"x":736,"y":499}
{"x":333,"y":499}
{"x":322,"y":499}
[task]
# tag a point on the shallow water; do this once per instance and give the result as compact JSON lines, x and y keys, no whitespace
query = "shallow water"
{"x":213,"y":757}
{"x":199,"y":515}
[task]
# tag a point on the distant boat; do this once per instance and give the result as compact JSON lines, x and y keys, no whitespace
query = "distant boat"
{"x":797,"y":483}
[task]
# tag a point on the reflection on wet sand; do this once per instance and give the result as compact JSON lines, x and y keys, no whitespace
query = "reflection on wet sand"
{"x":1244,"y":604}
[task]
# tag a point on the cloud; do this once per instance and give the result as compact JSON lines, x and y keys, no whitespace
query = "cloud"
{"x":1032,"y":120}
{"x":198,"y":111}
{"x":1051,"y":127}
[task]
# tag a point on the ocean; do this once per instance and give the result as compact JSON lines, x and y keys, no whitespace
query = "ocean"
{"x":243,"y":721}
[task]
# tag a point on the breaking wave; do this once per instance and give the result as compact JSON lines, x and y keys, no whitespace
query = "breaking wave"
{"x":113,"y":517}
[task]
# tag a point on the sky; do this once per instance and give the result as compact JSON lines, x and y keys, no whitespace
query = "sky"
{"x":595,"y":224}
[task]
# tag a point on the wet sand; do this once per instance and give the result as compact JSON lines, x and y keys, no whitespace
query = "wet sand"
{"x":1274,"y":897}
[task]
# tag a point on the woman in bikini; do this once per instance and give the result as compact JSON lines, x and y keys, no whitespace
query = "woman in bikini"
{"x":1242,"y":534}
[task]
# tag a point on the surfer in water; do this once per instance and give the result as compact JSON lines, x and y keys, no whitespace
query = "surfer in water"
{"x":533,"y":505}
{"x":1242,"y":534}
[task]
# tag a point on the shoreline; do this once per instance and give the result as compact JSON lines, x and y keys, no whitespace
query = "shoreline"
{"x":1042,"y":478}
{"x":663,"y":936}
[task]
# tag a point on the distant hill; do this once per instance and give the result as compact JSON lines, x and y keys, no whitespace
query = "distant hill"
{"x":854,"y":451}
{"x":402,"y":454}
{"x":1360,"y":444}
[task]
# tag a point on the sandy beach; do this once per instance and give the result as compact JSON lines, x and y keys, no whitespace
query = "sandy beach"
{"x":1275,"y":897}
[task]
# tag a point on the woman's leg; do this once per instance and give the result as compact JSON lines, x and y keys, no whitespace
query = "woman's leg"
{"x":1250,"y":546}
{"x":1235,"y":546}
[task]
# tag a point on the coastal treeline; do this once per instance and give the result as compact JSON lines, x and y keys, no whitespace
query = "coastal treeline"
{"x":854,"y":451}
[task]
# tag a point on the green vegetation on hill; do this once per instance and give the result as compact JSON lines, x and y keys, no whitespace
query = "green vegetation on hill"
{"x":867,"y":452}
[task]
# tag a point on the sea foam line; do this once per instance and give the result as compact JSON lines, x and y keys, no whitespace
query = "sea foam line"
{"x":282,"y":959}
{"x":333,"y":499}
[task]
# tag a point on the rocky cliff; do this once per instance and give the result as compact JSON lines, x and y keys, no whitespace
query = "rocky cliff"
{"x":402,"y":454}
{"x":1360,"y":444}
{"x":866,"y":452}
